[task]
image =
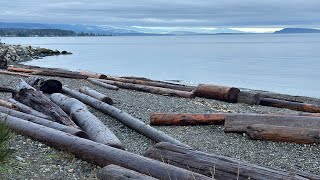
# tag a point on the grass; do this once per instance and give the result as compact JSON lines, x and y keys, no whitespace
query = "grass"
{"x":5,"y":135}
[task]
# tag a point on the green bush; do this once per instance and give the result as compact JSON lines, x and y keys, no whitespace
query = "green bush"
{"x":5,"y":135}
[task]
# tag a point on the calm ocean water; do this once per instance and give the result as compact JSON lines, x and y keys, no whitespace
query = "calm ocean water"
{"x":280,"y":63}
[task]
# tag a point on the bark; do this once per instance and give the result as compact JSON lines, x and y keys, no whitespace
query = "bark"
{"x":284,"y":134}
{"x":122,"y":117}
{"x":114,"y":172}
{"x":14,"y":73}
{"x":222,"y":93}
{"x":218,"y":167}
{"x":93,"y":127}
{"x":8,"y":104}
{"x":26,"y":109}
{"x":99,"y":154}
{"x":45,"y":85}
{"x":44,"y":122}
{"x":290,"y":105}
{"x":38,"y":101}
{"x":150,"y":89}
{"x":186,"y":119}
{"x":93,"y":74}
{"x":108,"y":86}
{"x":240,"y":122}
{"x":95,"y":94}
{"x":248,"y":98}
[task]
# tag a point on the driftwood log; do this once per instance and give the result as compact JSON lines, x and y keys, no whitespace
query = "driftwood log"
{"x":38,"y":101}
{"x":26,"y":109}
{"x":284,"y":133}
{"x":15,"y":73}
{"x":290,"y":105}
{"x":97,"y":153}
{"x":8,"y":104}
{"x":222,"y":93}
{"x":8,"y":90}
{"x":99,"y":83}
{"x":247,"y":97}
{"x":45,"y":85}
{"x":240,"y":122}
{"x":93,"y":74}
{"x":218,"y":167}
{"x":161,"y":119}
{"x":114,"y":172}
{"x":93,"y":127}
{"x":150,"y":89}
{"x":95,"y":94}
{"x":122,"y":117}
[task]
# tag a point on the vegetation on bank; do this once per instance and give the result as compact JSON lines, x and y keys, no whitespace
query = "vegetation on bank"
{"x":5,"y":135}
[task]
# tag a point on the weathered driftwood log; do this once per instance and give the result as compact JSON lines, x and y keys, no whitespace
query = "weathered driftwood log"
{"x":247,"y":97}
{"x":310,"y":114}
{"x":45,"y":85}
{"x":222,"y":93}
{"x":218,"y":167}
{"x":95,"y":94}
{"x":93,"y":127}
{"x":26,"y":109}
{"x":8,"y":104}
{"x":102,"y":84}
{"x":45,"y":122}
{"x":114,"y":172}
{"x":284,"y":133}
{"x":290,"y":105}
{"x":38,"y":101}
{"x":150,"y":89}
{"x":240,"y":122}
{"x":180,"y":87}
{"x":8,"y":90}
{"x":185,"y":119}
{"x":14,"y":73}
{"x":123,"y":117}
{"x":99,"y":154}
{"x":93,"y":74}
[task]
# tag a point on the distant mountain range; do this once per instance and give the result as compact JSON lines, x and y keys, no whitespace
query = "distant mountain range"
{"x":297,"y":30}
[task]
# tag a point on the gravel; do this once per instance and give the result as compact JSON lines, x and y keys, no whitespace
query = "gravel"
{"x":34,"y":160}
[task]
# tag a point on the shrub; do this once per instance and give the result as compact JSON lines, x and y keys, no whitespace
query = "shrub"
{"x":5,"y":135}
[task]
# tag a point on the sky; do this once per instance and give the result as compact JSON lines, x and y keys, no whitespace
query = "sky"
{"x":251,"y":15}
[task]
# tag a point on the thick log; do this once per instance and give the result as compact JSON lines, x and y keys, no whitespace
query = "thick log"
{"x":248,"y":98}
{"x":14,"y":73}
{"x":99,"y":83}
{"x":290,"y":105}
{"x":163,"y":119}
{"x":97,"y":153}
{"x":44,"y":122}
{"x":26,"y":109}
{"x":240,"y":122}
{"x":122,"y":117}
{"x":95,"y":94}
{"x":8,"y":104}
{"x":222,"y":93}
{"x":150,"y":89}
{"x":93,"y":74}
{"x":38,"y":101}
{"x":45,"y":85}
{"x":93,"y":127}
{"x":114,"y":172}
{"x":284,"y":134}
{"x":218,"y":167}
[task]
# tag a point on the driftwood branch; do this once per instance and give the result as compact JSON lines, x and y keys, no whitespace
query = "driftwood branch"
{"x":95,"y":94}
{"x":99,"y":83}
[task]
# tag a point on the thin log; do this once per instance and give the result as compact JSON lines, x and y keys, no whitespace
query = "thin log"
{"x":248,"y":98}
{"x":95,"y":94}
{"x":99,"y":83}
{"x":163,"y":119}
{"x":14,"y":73}
{"x":150,"y":89}
{"x":222,"y":93}
{"x":218,"y":167}
{"x":310,"y":114}
{"x":9,"y":90}
{"x":94,"y":128}
{"x":26,"y":109}
{"x":44,"y":122}
{"x":114,"y":172}
{"x":24,"y":70}
{"x":97,"y":153}
{"x":93,"y":74}
{"x":8,"y":104}
{"x":123,"y":117}
{"x":45,"y":85}
{"x":284,"y":134}
{"x":38,"y":101}
{"x":240,"y":122}
{"x":290,"y":105}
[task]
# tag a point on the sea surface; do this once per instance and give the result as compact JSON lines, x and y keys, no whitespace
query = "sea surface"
{"x":285,"y":63}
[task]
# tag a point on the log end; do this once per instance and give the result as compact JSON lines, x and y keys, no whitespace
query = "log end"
{"x":222,"y":93}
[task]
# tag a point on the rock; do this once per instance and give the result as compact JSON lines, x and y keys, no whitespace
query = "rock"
{"x":19,"y":158}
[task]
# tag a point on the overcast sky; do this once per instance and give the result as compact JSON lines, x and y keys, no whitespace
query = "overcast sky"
{"x":164,"y":13}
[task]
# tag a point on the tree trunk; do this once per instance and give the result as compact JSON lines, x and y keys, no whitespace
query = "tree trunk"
{"x":284,"y":134}
{"x":222,"y":93}
{"x":290,"y":105}
{"x":248,"y":98}
{"x":186,"y":119}
{"x":108,"y":86}
{"x":95,"y":94}
{"x":45,"y":85}
{"x":8,"y":104}
{"x":93,"y":127}
{"x":45,"y":122}
{"x":218,"y":167}
{"x":123,"y":117}
{"x":14,"y":73}
{"x":38,"y":101}
{"x":114,"y":172}
{"x":99,"y":154}
{"x":150,"y":89}
{"x":240,"y":122}
{"x":26,"y":109}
